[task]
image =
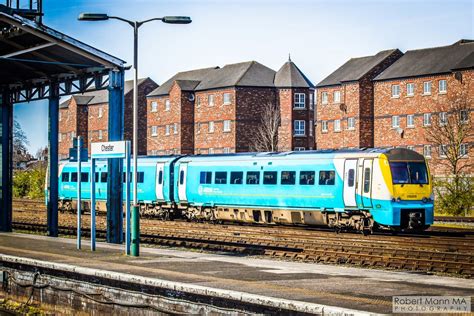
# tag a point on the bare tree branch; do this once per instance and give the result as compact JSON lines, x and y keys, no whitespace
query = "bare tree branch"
{"x":265,"y":137}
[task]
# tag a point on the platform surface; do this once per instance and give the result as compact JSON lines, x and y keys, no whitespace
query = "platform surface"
{"x":348,"y":287}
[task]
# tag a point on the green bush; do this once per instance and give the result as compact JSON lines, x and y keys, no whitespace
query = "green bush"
{"x":454,"y":196}
{"x":29,"y":183}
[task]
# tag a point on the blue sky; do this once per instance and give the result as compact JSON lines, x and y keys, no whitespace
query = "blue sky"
{"x":320,"y":35}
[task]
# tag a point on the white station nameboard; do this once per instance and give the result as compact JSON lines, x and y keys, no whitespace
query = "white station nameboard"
{"x":108,"y":150}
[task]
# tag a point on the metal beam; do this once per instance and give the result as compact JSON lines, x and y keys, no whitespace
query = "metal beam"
{"x":6,"y":135}
{"x":28,"y":50}
{"x":53,"y":130}
{"x":115,"y":166}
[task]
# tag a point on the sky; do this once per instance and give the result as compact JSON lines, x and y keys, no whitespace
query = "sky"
{"x":320,"y":35}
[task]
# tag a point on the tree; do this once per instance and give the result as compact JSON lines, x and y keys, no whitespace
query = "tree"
{"x":20,"y":141}
{"x":265,"y":137}
{"x":450,"y":132}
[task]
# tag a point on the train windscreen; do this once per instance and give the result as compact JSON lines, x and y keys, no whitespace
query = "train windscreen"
{"x":409,"y":173}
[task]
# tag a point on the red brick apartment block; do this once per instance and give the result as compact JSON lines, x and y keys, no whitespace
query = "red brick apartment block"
{"x":418,"y":89}
{"x":86,"y":115}
{"x":345,"y":106}
{"x":216,"y":110}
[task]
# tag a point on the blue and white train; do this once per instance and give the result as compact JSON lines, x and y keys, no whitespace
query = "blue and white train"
{"x":345,"y":189}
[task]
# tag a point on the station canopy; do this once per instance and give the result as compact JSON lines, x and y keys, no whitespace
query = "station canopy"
{"x":32,"y":56}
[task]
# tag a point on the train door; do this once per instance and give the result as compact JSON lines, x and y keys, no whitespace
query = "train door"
{"x":159,"y":181}
{"x":350,"y":176}
{"x":367,"y":183}
{"x":183,"y":169}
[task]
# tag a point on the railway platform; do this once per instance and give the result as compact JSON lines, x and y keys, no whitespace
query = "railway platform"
{"x":221,"y":281}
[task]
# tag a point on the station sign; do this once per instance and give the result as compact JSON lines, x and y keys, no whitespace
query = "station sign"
{"x":106,"y":150}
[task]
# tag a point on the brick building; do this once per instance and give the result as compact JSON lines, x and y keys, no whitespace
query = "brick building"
{"x":345,"y":106}
{"x":217,"y":110}
{"x":86,"y":115}
{"x":417,"y":93}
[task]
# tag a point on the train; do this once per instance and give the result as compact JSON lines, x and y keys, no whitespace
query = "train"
{"x":353,"y":189}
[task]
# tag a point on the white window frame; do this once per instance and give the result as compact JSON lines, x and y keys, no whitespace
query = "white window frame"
{"x":410,"y":89}
{"x":426,"y":119}
{"x":100,"y":134}
{"x":198,"y":128}
{"x":299,"y":128}
{"x":229,"y":97}
{"x":311,"y":101}
{"x":351,"y":123}
{"x":397,"y":88}
{"x":60,"y":137}
{"x":445,"y":88}
{"x":324,"y":126}
{"x":211,"y":151}
{"x":464,"y":150}
{"x":198,"y":101}
{"x":338,"y":99}
{"x":210,"y":100}
{"x":226,"y":150}
{"x":59,"y":116}
{"x":300,"y":148}
{"x":154,"y":131}
{"x":299,"y":101}
{"x":167,"y":130}
{"x":443,"y":149}
{"x":464,"y":118}
{"x":412,"y":123}
{"x":443,"y":118}
{"x":337,"y":125}
{"x":211,"y":127}
{"x":427,"y":151}
{"x":100,"y":112}
{"x":175,"y":128}
{"x":154,"y":106}
{"x":395,"y":121}
{"x":411,"y":147}
{"x":311,"y":127}
{"x":427,"y":88}
{"x":324,"y":97}
{"x":167,"y":105}
{"x":227,"y":126}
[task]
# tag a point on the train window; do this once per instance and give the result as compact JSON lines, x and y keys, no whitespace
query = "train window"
{"x":181,"y":177}
{"x":253,"y":177}
{"x":307,"y":177}
{"x":206,"y":177}
{"x":236,"y":177}
{"x":140,"y":177}
{"x":96,"y":178}
{"x":160,"y":177}
{"x":288,"y":177}
{"x":124,"y":174}
{"x":270,"y":177}
{"x":73,"y":176}
{"x":84,"y":177}
{"x":327,"y":177}
{"x":103,"y":177}
{"x":351,"y":178}
{"x":221,"y":177}
{"x":366,"y":180}
{"x":65,"y":177}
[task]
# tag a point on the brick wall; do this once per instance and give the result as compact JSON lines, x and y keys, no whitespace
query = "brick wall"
{"x":387,"y":106}
{"x":67,"y":128}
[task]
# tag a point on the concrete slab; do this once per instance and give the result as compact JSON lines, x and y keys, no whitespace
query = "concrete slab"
{"x":303,"y":284}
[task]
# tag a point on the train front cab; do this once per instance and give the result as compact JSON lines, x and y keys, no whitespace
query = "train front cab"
{"x":407,"y":203}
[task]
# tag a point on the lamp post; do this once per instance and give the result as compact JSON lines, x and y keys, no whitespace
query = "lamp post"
{"x":136,"y":25}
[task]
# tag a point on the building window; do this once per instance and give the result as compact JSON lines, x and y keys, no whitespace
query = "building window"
{"x":167,"y":105}
{"x":443,"y":149}
{"x":427,"y":119}
{"x":198,"y":101}
{"x":198,"y":128}
{"x":351,"y":123}
{"x":211,"y":151}
{"x":100,"y":112}
{"x":443,"y":118}
{"x":211,"y":127}
{"x":410,"y":89}
{"x":154,"y":131}
{"x":395,"y":121}
{"x":463,"y":150}
{"x":442,"y":86}
{"x":337,"y":125}
{"x":324,"y":98}
{"x":227,"y":126}
{"x":427,"y":87}
{"x":324,"y":126}
{"x":176,"y":128}
{"x":59,"y":116}
{"x":167,"y":130}
{"x":299,"y":148}
{"x":227,"y":98}
{"x":300,"y":100}
{"x":226,"y":150}
{"x":337,"y":96}
{"x":299,"y":128}
{"x":411,"y":147}
{"x":60,"y":136}
{"x":100,"y":134}
{"x":395,"y":91}
{"x":311,"y":101}
{"x":410,"y":120}
{"x":427,"y":151}
{"x":311,"y":128}
{"x":210,"y":100}
{"x":154,"y":106}
{"x":464,"y":116}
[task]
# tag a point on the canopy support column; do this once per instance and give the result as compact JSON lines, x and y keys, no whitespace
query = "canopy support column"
{"x":53,"y":130}
{"x":115,"y":166}
{"x":6,"y":132}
